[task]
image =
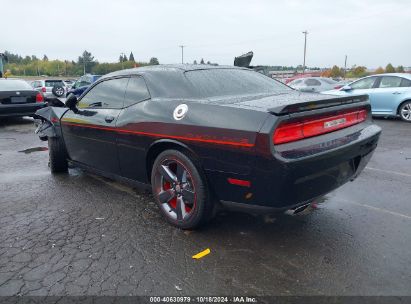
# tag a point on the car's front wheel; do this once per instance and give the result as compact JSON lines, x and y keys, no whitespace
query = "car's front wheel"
{"x":405,"y":111}
{"x":57,"y":155}
{"x":180,"y":189}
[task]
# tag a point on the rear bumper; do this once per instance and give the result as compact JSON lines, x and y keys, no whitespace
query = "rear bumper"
{"x":26,"y":109}
{"x":299,"y":173}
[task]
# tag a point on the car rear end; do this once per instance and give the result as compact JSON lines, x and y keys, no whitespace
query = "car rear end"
{"x":48,"y":85}
{"x":17,"y":98}
{"x":305,"y":151}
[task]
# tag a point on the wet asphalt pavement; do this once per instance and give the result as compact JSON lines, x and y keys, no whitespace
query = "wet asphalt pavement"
{"x":80,"y":234}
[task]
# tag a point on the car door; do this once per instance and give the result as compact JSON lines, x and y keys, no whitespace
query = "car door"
{"x":362,"y":86}
{"x":388,"y":95}
{"x":132,"y":147}
{"x":90,"y":134}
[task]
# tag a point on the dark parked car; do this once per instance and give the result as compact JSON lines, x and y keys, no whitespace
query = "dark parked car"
{"x":18,"y":98}
{"x":82,"y":84}
{"x":202,"y":135}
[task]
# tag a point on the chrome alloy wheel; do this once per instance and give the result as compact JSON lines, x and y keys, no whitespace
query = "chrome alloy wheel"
{"x":175,"y":189}
{"x":405,"y":111}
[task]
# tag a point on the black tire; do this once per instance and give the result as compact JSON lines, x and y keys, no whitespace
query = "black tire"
{"x":185,"y":203}
{"x":57,"y":155}
{"x":405,"y":111}
{"x":57,"y":90}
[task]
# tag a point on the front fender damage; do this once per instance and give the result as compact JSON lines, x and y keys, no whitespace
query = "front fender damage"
{"x":47,"y":121}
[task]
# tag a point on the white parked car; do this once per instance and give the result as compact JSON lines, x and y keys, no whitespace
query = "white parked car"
{"x":314,"y":84}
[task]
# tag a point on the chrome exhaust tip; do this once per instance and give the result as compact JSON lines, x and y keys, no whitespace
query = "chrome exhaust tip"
{"x":297,"y":210}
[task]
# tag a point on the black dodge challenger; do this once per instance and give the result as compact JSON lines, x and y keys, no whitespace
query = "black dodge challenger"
{"x":205,"y":136}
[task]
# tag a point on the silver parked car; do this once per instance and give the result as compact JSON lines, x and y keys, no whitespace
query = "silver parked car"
{"x":50,"y":88}
{"x":314,"y":84}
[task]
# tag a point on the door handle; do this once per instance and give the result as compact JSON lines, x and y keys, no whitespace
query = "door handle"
{"x":109,"y":118}
{"x":396,"y":93}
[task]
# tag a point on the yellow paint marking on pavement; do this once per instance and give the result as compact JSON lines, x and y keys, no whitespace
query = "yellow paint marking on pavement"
{"x":389,"y":171}
{"x":202,"y":254}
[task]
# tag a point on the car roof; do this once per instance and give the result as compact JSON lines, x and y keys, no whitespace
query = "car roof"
{"x":404,"y":75}
{"x":170,"y":67}
{"x":312,"y":77}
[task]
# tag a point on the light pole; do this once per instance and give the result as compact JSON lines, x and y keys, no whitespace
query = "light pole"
{"x":305,"y":48}
{"x":122,"y":60}
{"x":345,"y":66}
{"x":182,"y":53}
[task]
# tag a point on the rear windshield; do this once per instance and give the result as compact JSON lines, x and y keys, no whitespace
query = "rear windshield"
{"x":13,"y":84}
{"x":232,"y":82}
{"x":329,"y":81}
{"x":52,"y":83}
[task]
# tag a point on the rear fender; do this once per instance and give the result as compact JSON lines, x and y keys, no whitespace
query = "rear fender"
{"x":47,"y":121}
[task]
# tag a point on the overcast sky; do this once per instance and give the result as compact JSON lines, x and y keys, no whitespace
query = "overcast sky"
{"x":370,"y":32}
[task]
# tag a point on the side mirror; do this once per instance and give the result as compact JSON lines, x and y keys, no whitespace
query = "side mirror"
{"x":346,"y":88}
{"x":71,"y":103}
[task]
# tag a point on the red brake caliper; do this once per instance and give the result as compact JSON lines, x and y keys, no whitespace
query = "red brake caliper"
{"x":173,"y":202}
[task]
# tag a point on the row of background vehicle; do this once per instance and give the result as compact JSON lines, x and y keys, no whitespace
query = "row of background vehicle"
{"x":390,"y":93}
{"x":51,"y":88}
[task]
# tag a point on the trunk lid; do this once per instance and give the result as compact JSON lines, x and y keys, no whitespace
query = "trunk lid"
{"x":287,"y":102}
{"x":18,"y":97}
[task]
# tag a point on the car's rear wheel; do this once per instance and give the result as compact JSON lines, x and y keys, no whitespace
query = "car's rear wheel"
{"x":405,"y":111}
{"x":57,"y":155}
{"x":180,"y":189}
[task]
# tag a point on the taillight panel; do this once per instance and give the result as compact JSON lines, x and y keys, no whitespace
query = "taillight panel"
{"x":39,"y":98}
{"x":317,"y":125}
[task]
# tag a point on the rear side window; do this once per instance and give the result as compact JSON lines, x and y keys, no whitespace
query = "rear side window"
{"x":312,"y":82}
{"x":108,"y":94}
{"x":366,"y":83}
{"x":136,"y":91}
{"x":390,"y":82}
{"x":405,"y":82}
{"x":36,"y":84}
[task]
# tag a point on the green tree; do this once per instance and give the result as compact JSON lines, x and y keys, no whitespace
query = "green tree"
{"x":45,"y":58}
{"x":400,"y":69}
{"x":86,"y":61}
{"x":27,"y":60}
{"x":153,"y":61}
{"x":86,"y":56}
{"x":389,"y":68}
{"x":359,"y":71}
{"x":131,"y":57}
{"x":380,"y":70}
{"x":202,"y":61}
{"x":336,"y":72}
